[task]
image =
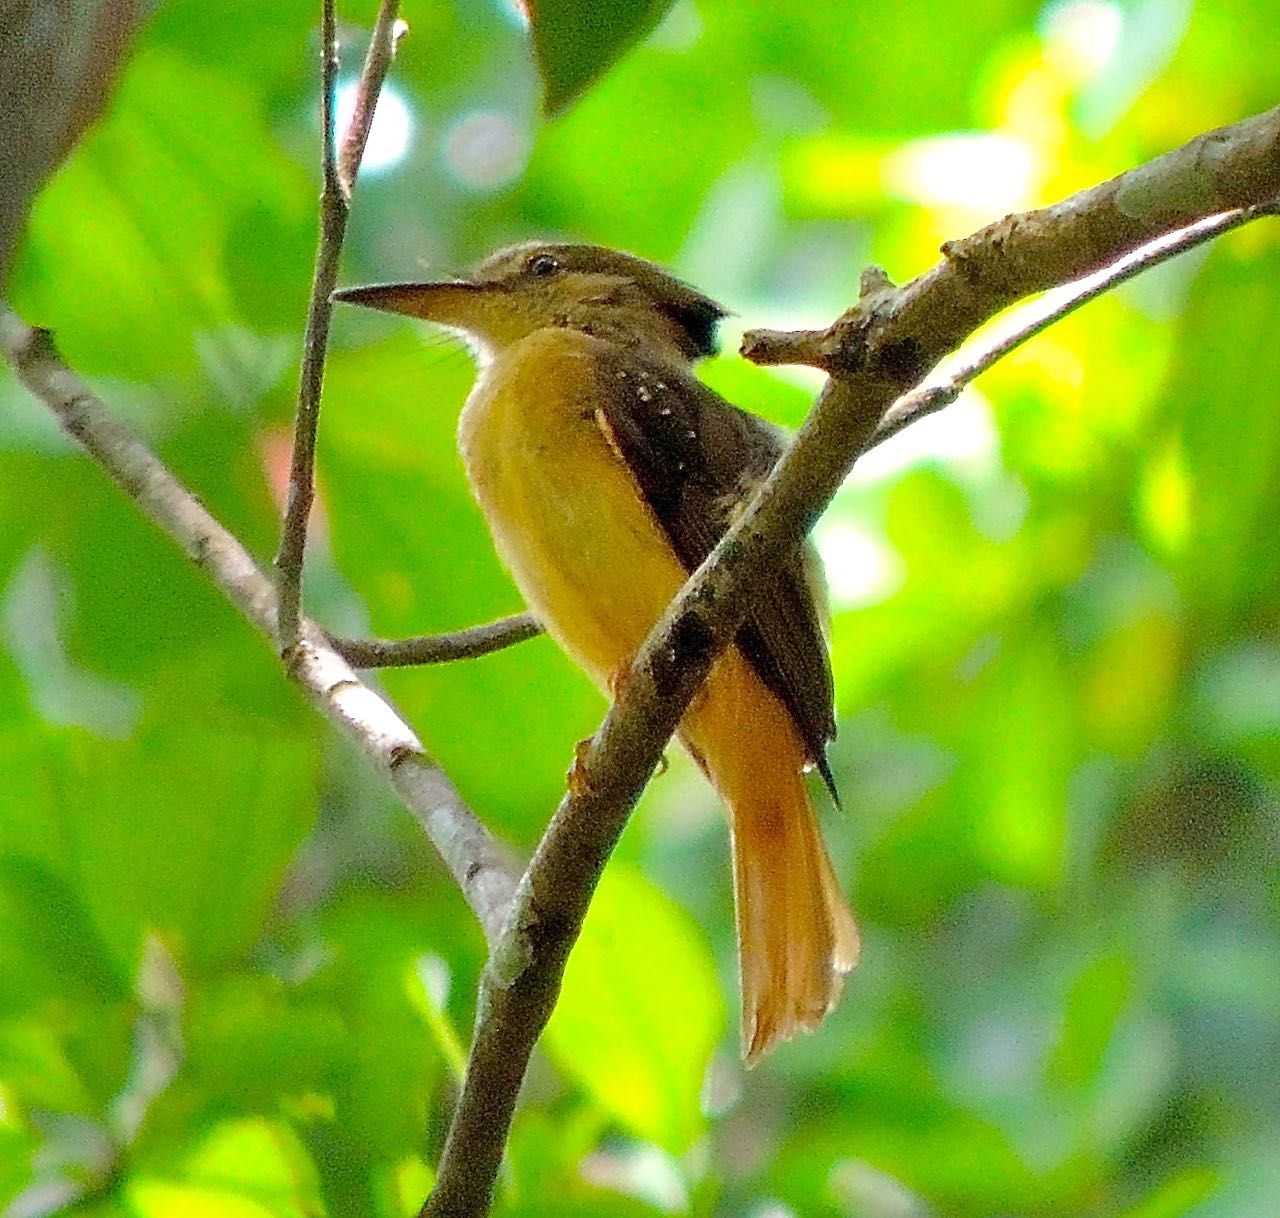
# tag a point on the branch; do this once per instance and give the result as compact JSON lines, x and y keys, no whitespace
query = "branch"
{"x":383,"y":44}
{"x":1035,"y":319}
{"x":335,"y":196}
{"x":906,"y":331}
{"x":438,"y":648}
{"x":876,"y":353}
{"x":478,"y":862}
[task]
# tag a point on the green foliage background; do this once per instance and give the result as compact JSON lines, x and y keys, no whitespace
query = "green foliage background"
{"x":233,"y":979}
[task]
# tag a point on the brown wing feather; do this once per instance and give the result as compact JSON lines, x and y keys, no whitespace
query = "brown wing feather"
{"x":696,"y":458}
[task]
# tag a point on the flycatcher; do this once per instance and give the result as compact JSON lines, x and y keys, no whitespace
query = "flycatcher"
{"x":607,"y":472}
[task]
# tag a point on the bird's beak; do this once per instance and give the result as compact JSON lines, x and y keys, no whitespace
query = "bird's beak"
{"x":450,"y":303}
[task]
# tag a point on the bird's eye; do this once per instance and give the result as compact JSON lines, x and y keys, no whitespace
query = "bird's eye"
{"x":542,"y":264}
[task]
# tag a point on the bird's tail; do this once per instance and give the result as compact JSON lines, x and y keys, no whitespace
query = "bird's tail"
{"x":796,"y":936}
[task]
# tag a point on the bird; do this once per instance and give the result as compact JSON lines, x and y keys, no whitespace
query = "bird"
{"x":607,"y":471}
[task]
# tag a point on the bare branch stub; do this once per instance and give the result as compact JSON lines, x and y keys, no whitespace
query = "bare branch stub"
{"x":438,"y":648}
{"x":770,"y":347}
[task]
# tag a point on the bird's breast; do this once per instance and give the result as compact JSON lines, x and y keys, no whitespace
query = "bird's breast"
{"x":566,"y":515}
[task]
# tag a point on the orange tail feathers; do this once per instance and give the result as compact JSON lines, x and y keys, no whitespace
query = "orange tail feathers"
{"x":796,"y":936}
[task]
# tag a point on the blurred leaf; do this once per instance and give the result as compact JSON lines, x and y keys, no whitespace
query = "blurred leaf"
{"x":427,"y":984}
{"x":35,"y":1069}
{"x":252,"y":1042}
{"x":1231,"y":468}
{"x":411,"y":1181}
{"x":545,"y":1150}
{"x":181,"y":155}
{"x":1017,"y":779}
{"x":1238,"y":703}
{"x":1181,"y":1195}
{"x":1094,"y":1004}
{"x":372,"y":943}
{"x":17,"y":1150}
{"x":894,"y":1118}
{"x":759,"y":390}
{"x":246,"y":1168}
{"x":183,"y":832}
{"x":52,"y":950}
{"x":576,"y":41}
{"x":640,"y":1011}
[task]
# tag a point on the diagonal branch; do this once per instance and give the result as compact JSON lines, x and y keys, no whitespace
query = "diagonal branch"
{"x":876,"y":353}
{"x":339,"y":179}
{"x":1035,"y":319}
{"x":480,"y":864}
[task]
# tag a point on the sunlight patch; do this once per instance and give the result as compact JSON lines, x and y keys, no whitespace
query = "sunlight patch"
{"x":392,"y":130}
{"x":861,"y":569}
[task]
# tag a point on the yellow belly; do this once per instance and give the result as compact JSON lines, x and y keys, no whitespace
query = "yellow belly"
{"x":566,"y":515}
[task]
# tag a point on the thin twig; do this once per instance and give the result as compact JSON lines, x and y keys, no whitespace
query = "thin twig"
{"x":334,"y":209}
{"x":480,"y":864}
{"x":875,"y":354}
{"x":315,"y":342}
{"x":438,"y":648}
{"x":976,"y":358}
{"x":383,"y":45}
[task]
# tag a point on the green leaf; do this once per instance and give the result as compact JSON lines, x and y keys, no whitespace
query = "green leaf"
{"x":372,"y":943}
{"x":18,"y":1148}
{"x":1021,"y":759}
{"x":1183,"y":1194}
{"x":50,"y":950}
{"x":125,"y":250}
{"x":1095,"y":1003}
{"x":36,"y":1072}
{"x":577,"y":41}
{"x":249,"y":1168}
{"x":185,"y":830}
{"x":640,"y":1011}
{"x":404,"y":1186}
{"x":251,"y":1040}
{"x":1230,"y":459}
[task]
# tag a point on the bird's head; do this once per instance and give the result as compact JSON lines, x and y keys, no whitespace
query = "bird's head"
{"x":531,"y":287}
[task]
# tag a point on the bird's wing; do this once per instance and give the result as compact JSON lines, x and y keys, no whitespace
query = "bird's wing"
{"x":696,"y":459}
